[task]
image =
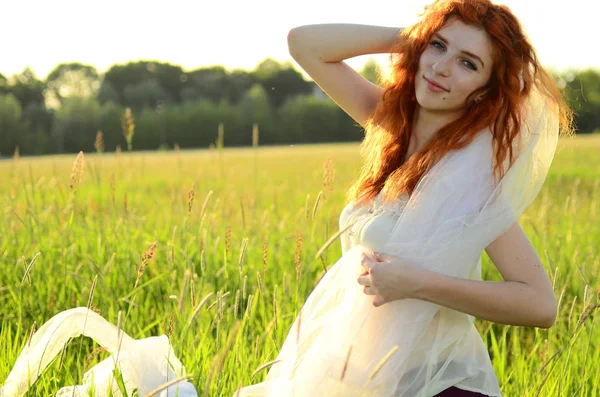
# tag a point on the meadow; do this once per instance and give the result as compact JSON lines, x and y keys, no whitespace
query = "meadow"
{"x":217,"y":249}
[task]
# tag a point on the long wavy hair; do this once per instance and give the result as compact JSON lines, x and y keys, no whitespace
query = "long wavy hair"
{"x":388,"y":130}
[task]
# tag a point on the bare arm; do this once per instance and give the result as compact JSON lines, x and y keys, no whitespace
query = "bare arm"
{"x":340,"y":41}
{"x":504,"y":302}
{"x":320,"y":51}
{"x":526,"y":297}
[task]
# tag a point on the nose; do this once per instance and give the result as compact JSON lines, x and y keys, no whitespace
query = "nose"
{"x":441,"y":66}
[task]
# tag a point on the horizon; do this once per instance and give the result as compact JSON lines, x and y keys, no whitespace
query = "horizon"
{"x":103,"y":48}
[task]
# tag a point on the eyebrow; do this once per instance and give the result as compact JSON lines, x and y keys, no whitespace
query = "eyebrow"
{"x":442,"y":38}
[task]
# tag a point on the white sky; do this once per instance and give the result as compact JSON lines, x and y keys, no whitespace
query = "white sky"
{"x":242,"y":33}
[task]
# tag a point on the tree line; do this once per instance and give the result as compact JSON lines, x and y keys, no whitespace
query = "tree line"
{"x":148,"y":105}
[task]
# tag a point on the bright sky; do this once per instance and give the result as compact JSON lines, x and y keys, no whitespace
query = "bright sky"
{"x":242,"y":33}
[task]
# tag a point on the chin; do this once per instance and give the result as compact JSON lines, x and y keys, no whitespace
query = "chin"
{"x":436,"y":104}
{"x":432,"y":105}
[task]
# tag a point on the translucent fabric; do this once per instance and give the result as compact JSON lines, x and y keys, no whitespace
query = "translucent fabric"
{"x":145,"y":364}
{"x":412,"y":347}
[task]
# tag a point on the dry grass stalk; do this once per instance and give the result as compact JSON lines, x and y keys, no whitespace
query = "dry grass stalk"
{"x":266,"y":365}
{"x":265,"y":254}
{"x":168,"y":384}
{"x":191,"y":195}
{"x":298,"y":254}
{"x":204,"y":205}
{"x":28,"y":269}
{"x":92,"y":290}
{"x":298,"y":328}
{"x":331,"y":240}
{"x":31,"y":334}
{"x":275,"y":306}
{"x":113,"y":185}
{"x":218,"y":361}
{"x":254,"y":135}
{"x":236,"y":303}
{"x":16,"y":155}
{"x":228,"y":239}
{"x":99,"y":142}
{"x":128,"y":126}
{"x":382,"y":363}
{"x":192,"y":293}
{"x":147,"y":257}
{"x":220,"y":136}
{"x":587,"y":312}
{"x":261,"y":286}
{"x":242,"y":253}
{"x":571,"y":311}
{"x":314,"y":213}
{"x":92,"y":355}
{"x":171,"y":326}
{"x":544,"y":352}
{"x":243,"y":214}
{"x":77,"y":171}
{"x":329,"y":175}
{"x":306,"y":206}
{"x":343,"y":374}
{"x":197,"y":308}
{"x":187,"y":278}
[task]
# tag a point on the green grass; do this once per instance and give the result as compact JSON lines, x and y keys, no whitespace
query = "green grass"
{"x":267,"y":196}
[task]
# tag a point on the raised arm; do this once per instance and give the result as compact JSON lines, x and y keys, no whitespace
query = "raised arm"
{"x":321,"y":49}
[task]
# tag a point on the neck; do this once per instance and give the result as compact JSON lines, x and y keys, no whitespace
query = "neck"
{"x":426,"y":124}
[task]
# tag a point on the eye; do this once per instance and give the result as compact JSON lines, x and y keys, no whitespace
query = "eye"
{"x":437,"y":44}
{"x":469,"y":65}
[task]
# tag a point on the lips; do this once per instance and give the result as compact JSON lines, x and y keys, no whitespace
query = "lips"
{"x":433,"y":82}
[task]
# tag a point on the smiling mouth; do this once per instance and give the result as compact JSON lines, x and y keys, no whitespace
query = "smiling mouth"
{"x":435,"y":84}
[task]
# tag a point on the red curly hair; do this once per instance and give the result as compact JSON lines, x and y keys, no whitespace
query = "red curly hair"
{"x":388,"y":131}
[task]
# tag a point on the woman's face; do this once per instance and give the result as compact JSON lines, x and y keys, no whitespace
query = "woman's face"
{"x":456,"y":62}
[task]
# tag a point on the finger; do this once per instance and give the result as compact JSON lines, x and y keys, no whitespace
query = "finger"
{"x":367,"y":264}
{"x":381,"y":257}
{"x":364,"y":280}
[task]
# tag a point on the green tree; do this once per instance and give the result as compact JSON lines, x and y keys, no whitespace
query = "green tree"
{"x":371,"y":71}
{"x":10,"y":124}
{"x":76,"y":124}
{"x":71,"y":79}
{"x":110,"y":125}
{"x":582,"y":92}
{"x":308,"y":119}
{"x":3,"y":84}
{"x":145,"y":76}
{"x":280,"y":81}
{"x":255,"y":108}
{"x":27,"y":88}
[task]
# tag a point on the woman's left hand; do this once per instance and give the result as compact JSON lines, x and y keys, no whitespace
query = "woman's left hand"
{"x":388,"y":279}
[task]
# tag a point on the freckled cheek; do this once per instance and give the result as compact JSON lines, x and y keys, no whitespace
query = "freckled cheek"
{"x":462,"y":88}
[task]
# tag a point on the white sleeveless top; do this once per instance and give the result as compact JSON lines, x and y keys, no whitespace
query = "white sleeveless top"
{"x":374,"y":222}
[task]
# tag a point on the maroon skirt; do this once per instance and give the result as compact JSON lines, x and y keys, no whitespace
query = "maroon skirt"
{"x":456,"y":392}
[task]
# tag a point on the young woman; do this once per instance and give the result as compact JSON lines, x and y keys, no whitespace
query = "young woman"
{"x":458,"y":142}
